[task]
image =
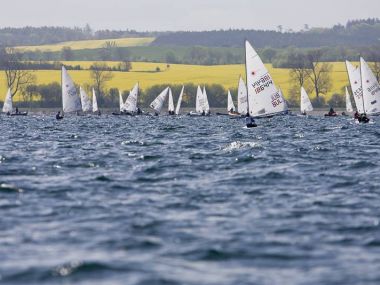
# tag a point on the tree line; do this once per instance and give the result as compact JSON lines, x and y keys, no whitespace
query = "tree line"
{"x":353,"y":34}
{"x":50,"y":95}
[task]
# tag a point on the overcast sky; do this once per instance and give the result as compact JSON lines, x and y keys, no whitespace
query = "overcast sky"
{"x":185,"y":14}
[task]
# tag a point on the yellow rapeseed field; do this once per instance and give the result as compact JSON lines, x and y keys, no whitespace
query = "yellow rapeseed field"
{"x":144,"y":73}
{"x":91,"y":44}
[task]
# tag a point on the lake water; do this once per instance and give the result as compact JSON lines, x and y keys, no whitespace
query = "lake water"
{"x":180,"y":200}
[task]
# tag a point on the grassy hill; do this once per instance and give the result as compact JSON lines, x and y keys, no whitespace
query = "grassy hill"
{"x":90,"y":44}
{"x":146,"y":75}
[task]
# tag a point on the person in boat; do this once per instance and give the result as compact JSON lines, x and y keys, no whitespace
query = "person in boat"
{"x":8,"y":113}
{"x":139,"y":112}
{"x":17,"y":112}
{"x":250,"y":122}
{"x":363,"y":118}
{"x":344,"y":114}
{"x":99,"y":113}
{"x":247,"y":115}
{"x":332,"y":112}
{"x":203,"y":113}
{"x":357,"y":115}
{"x":58,"y":116}
{"x":303,"y":113}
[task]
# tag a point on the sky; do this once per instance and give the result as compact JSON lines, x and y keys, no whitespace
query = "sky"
{"x":195,"y":15}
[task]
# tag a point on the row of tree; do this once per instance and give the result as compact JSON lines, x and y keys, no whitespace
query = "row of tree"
{"x":50,"y":96}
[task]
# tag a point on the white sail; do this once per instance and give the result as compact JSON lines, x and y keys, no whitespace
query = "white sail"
{"x":94,"y":102}
{"x":230,"y":105}
{"x":70,"y":98}
{"x":355,"y":78}
{"x":285,"y":106}
{"x":242,"y":98}
{"x":131,"y":102}
{"x":158,"y":103}
{"x":306,"y":105}
{"x":264,"y":98}
{"x":371,"y":89}
{"x":171,"y":101}
{"x":207,"y":106}
{"x":121,"y":102}
{"x":8,"y":106}
{"x":85,"y":100}
{"x":179,"y":101}
{"x":348,"y":102}
{"x":200,"y":102}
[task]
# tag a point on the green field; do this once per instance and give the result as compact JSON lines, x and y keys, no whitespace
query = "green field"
{"x":144,"y":73}
{"x":91,"y":44}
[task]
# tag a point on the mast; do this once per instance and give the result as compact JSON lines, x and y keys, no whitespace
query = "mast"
{"x":62,"y":86}
{"x":361,"y":83}
{"x":246,"y":75}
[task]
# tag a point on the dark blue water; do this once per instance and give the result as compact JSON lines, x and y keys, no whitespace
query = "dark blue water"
{"x":119,"y":200}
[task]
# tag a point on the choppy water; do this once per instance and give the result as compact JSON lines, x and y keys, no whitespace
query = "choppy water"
{"x":119,"y":200}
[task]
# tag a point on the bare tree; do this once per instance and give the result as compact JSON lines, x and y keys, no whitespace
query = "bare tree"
{"x":16,"y":75}
{"x":299,"y":70}
{"x":319,"y":72}
{"x":375,"y":66}
{"x":100,"y":74}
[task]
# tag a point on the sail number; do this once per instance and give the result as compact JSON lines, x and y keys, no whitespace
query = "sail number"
{"x":276,"y":100}
{"x":262,"y":83}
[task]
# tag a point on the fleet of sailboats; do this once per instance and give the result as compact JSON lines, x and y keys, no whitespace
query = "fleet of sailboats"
{"x":257,"y":97}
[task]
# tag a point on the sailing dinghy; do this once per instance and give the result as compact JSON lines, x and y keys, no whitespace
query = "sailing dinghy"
{"x":85,"y":101}
{"x":70,"y":99}
{"x":95,"y":108}
{"x":242,"y":98}
{"x":305,"y":103}
{"x":171,"y":108}
{"x":8,"y":106}
{"x":355,"y":79}
{"x":371,"y":90}
{"x":130,"y":106}
{"x":264,"y":99}
{"x":349,"y":108}
{"x":158,"y":103}
{"x":200,"y":104}
{"x":179,"y":101}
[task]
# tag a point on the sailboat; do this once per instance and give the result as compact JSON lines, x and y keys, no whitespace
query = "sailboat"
{"x":70,"y":99}
{"x":371,"y":90}
{"x":171,"y":107}
{"x":85,"y":100}
{"x":8,"y":105}
{"x":264,"y":99}
{"x":130,"y":106}
{"x":95,"y":108}
{"x":355,"y":79}
{"x":231,"y":106}
{"x":305,"y":105}
{"x":242,"y":98}
{"x":349,"y":108}
{"x":200,"y":104}
{"x":121,"y":102}
{"x":179,"y":101}
{"x":207,"y":105}
{"x":158,"y":103}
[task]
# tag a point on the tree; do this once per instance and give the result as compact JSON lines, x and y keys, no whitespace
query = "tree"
{"x":100,"y":74}
{"x":67,"y":53}
{"x":299,"y":70}
{"x":318,"y":72}
{"x":17,"y":77}
{"x":375,"y":66}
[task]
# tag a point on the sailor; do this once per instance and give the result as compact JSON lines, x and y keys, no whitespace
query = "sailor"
{"x":250,"y":122}
{"x":16,"y":110}
{"x":139,"y":112}
{"x":332,"y":112}
{"x":357,"y":115}
{"x":363,"y":118}
{"x":58,"y":116}
{"x":99,"y":114}
{"x":203,"y":113}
